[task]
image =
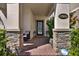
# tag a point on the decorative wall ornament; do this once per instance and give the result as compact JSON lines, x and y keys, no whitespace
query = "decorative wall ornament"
{"x":63,"y":16}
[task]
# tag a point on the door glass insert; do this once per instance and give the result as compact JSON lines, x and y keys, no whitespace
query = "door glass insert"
{"x":39,"y":27}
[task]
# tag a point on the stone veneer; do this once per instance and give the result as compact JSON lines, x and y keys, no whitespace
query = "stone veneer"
{"x":13,"y":37}
{"x":60,"y":39}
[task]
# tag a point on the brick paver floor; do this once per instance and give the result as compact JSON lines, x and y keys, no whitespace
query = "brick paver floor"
{"x":39,"y":47}
{"x":44,"y":50}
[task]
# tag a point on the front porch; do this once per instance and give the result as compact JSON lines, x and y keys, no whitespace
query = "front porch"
{"x":33,"y":18}
{"x":23,"y":19}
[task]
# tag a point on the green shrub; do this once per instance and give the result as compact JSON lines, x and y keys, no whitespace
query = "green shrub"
{"x":4,"y":51}
{"x":50,"y":24}
{"x":2,"y":42}
{"x":74,"y":49}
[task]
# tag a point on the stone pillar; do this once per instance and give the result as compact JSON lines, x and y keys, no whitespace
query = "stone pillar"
{"x":13,"y":42}
{"x":12,"y":26}
{"x":61,"y":30}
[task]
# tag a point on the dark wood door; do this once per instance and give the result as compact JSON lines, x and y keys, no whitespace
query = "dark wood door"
{"x":40,"y":27}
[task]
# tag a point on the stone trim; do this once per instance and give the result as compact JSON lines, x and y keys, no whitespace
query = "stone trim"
{"x":13,"y":31}
{"x":61,"y":30}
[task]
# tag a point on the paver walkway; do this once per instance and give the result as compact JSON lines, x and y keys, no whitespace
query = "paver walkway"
{"x":38,"y":47}
{"x":44,"y":50}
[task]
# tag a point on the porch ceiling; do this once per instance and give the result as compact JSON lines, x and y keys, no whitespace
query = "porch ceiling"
{"x":42,"y":9}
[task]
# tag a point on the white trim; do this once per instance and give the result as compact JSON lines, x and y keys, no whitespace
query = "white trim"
{"x":74,"y":9}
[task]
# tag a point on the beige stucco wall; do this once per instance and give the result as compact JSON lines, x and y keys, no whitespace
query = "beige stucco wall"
{"x":27,"y":20}
{"x":32,"y":20}
{"x":61,"y":23}
{"x":11,"y":20}
{"x":12,"y":16}
{"x":45,"y":25}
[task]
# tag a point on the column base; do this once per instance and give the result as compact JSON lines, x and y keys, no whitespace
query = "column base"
{"x":13,"y":37}
{"x":61,"y":39}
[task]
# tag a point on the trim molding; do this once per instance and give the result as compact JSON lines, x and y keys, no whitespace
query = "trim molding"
{"x":61,"y":30}
{"x":13,"y":30}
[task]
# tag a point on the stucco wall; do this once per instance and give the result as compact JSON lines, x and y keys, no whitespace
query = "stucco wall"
{"x":12,"y":16}
{"x":26,"y":19}
{"x":61,"y":23}
{"x":27,"y":22}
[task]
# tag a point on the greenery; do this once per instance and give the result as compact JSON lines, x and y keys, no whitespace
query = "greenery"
{"x":74,"y":49}
{"x":50,"y":24}
{"x":4,"y":51}
{"x":2,"y":42}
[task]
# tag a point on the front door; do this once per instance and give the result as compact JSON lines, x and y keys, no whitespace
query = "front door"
{"x":40,"y":27}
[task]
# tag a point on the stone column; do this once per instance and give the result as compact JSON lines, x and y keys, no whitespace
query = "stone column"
{"x":12,"y":26}
{"x":61,"y":30}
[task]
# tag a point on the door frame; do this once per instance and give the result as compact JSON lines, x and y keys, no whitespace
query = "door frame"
{"x":42,"y":27}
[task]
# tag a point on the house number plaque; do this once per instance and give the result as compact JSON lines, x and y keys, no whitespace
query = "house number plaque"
{"x":63,"y":16}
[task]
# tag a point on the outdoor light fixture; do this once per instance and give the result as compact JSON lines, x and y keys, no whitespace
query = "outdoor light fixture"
{"x":64,"y":52}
